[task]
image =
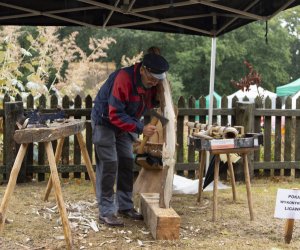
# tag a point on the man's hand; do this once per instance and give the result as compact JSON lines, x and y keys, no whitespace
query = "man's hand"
{"x":149,"y":130}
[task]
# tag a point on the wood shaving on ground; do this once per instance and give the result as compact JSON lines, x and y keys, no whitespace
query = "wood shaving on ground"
{"x":81,"y":214}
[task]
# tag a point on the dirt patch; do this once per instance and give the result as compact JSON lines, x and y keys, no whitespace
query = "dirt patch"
{"x":31,"y":227}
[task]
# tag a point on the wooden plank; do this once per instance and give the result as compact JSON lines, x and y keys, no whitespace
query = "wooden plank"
{"x":65,"y":159}
{"x":30,"y":148}
{"x":12,"y":111}
{"x":169,"y":148}
{"x":277,"y":165}
{"x":288,"y":136}
{"x":58,"y":195}
{"x":267,"y":136}
{"x":88,"y":131}
{"x":77,"y":151}
{"x":204,"y":111}
{"x":180,"y":134}
{"x":54,"y":105}
{"x":278,"y":137}
{"x":57,"y":158}
{"x":41,"y":146}
{"x":191,"y":149}
{"x":297,"y":138}
{"x":163,"y":223}
{"x":257,"y":129}
{"x":55,"y":131}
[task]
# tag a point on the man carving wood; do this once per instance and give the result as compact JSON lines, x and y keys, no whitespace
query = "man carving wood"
{"x":118,"y":106}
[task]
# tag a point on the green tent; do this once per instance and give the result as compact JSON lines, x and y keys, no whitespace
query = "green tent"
{"x":218,"y":98}
{"x":288,"y":89}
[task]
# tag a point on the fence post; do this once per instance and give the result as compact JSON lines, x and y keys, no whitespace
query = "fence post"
{"x":11,"y":111}
{"x":244,"y":114}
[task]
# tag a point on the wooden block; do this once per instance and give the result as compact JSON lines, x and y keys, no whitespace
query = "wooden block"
{"x":55,"y":131}
{"x":164,"y":223}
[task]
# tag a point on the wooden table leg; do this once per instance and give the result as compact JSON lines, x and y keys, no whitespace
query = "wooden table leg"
{"x":58,"y":195}
{"x":11,"y":183}
{"x":215,"y":192}
{"x":87,"y":160}
{"x":231,"y":172}
{"x":201,"y":171}
{"x":57,"y":157}
{"x":248,"y":185}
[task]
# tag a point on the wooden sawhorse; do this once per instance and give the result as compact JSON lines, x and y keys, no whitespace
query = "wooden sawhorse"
{"x":56,"y":131}
{"x":242,"y":151}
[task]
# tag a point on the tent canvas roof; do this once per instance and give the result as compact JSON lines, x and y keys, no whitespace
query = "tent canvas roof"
{"x":207,"y":17}
{"x":289,"y":89}
{"x":252,"y":94}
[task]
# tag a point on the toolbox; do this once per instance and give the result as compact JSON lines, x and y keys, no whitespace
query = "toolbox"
{"x":249,"y":140}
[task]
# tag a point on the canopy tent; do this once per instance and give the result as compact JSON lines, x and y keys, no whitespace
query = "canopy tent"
{"x":253,"y":92}
{"x":206,"y":17}
{"x":218,"y":99}
{"x":289,"y":89}
{"x":198,"y":17}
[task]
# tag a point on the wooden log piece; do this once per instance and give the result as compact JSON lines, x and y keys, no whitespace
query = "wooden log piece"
{"x":58,"y":194}
{"x":11,"y":184}
{"x":57,"y":158}
{"x":55,"y":131}
{"x":164,"y":223}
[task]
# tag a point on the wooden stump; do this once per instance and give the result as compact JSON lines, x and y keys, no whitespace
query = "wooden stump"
{"x":164,"y":223}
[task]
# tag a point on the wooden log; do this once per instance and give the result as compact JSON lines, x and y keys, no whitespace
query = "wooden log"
{"x":11,"y":184}
{"x":57,"y":158}
{"x":248,"y":185}
{"x":232,"y":178}
{"x":200,"y":174}
{"x":215,"y":191}
{"x":55,"y":131}
{"x":244,"y":117}
{"x":164,"y":223}
{"x":169,"y":148}
{"x":148,"y":181}
{"x":58,"y":195}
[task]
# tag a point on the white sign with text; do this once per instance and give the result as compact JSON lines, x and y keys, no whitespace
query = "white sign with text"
{"x":287,"y":204}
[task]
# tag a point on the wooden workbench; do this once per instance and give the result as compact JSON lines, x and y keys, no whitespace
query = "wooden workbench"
{"x":55,"y":131}
{"x":244,"y":153}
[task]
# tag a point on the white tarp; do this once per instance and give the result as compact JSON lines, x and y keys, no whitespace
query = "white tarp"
{"x":182,"y":185}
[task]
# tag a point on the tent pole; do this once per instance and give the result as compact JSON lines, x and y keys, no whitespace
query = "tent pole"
{"x":212,"y":79}
{"x":211,"y":88}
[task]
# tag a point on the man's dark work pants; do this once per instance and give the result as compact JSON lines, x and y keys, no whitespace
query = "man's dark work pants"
{"x":114,"y":160}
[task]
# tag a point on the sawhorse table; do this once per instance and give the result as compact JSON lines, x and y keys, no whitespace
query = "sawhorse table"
{"x":244,"y":153}
{"x":56,"y":131}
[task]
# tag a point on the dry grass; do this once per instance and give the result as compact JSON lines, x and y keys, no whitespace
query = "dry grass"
{"x":233,"y":229}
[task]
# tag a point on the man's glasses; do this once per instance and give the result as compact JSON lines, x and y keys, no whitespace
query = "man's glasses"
{"x":151,"y":77}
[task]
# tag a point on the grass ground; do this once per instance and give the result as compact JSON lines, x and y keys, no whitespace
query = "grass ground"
{"x":28,"y":229}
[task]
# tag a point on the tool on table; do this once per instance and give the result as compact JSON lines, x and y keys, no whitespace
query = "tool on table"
{"x":146,"y":160}
{"x":36,"y":119}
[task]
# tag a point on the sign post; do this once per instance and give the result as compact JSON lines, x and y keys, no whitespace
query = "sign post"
{"x":288,"y":207}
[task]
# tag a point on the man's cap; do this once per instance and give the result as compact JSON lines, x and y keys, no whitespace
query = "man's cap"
{"x":156,"y":65}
